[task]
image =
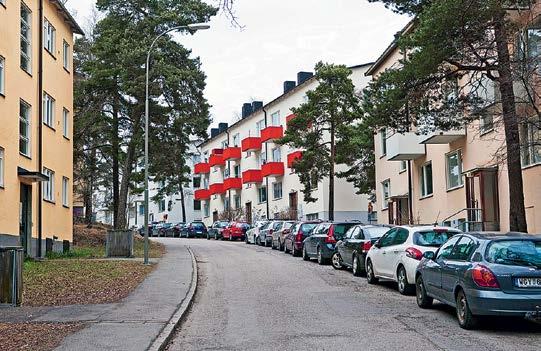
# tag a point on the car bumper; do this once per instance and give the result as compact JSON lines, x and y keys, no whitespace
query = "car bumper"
{"x":411,"y":268}
{"x":484,"y":302}
{"x":327,"y":250}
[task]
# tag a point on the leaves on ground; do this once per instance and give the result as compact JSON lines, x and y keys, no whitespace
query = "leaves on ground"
{"x":35,"y":336}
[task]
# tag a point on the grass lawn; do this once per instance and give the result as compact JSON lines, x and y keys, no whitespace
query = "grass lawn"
{"x":35,"y":336}
{"x":157,"y":250}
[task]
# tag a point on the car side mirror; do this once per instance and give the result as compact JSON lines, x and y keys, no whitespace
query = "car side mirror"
{"x":377,"y":244}
{"x":429,"y":255}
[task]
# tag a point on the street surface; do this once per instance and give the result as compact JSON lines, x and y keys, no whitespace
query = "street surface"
{"x":255,"y":298}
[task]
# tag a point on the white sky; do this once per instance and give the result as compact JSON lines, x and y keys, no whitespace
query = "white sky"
{"x":279,"y":38}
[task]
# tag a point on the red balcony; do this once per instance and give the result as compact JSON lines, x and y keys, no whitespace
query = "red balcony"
{"x":216,"y":160}
{"x":292,"y":157}
{"x":275,"y":169}
{"x":272,"y":133}
{"x":217,"y":151}
{"x":202,"y":194}
{"x":252,"y":176}
{"x":216,"y":188}
{"x":232,"y":153}
{"x":202,"y":168}
{"x":290,"y":117}
{"x":251,"y":144}
{"x":232,"y":183}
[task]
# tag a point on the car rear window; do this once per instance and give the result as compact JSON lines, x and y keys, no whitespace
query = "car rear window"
{"x":198,"y":225}
{"x":307,"y":227}
{"x":375,"y":232}
{"x":515,"y":253}
{"x":223,"y":224}
{"x":243,"y":226}
{"x":432,"y":238}
{"x":341,"y":229}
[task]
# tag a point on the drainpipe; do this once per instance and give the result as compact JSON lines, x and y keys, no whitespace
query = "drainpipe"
{"x":266,"y":159}
{"x":228,"y":172}
{"x":40,"y":129}
{"x":410,"y":194}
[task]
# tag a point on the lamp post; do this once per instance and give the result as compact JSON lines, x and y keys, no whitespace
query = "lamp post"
{"x":192,"y":27}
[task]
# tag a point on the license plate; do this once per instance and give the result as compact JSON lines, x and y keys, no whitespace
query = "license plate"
{"x":528,"y":282}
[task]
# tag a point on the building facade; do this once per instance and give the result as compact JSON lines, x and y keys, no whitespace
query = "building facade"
{"x":244,"y":174}
{"x":36,"y":109}
{"x":452,"y":177}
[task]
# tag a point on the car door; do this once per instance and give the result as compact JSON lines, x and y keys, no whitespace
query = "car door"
{"x":432,"y":272}
{"x":378,"y":254}
{"x":354,"y":244}
{"x":394,"y":252}
{"x":343,"y":246}
{"x":453,"y":265}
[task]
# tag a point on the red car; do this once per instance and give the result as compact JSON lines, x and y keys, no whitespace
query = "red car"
{"x":235,"y":230}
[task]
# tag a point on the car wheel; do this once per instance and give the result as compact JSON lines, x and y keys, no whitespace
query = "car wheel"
{"x":305,"y":254}
{"x":246,"y":239}
{"x":370,"y":277}
{"x":257,"y":241}
{"x":208,"y":236}
{"x":466,"y":319}
{"x":404,"y":287}
{"x":230,"y":237}
{"x":356,"y":266}
{"x":286,"y":250}
{"x":423,"y":300}
{"x":215,"y":236}
{"x":320,"y":259}
{"x":337,"y":261}
{"x":281,"y":246}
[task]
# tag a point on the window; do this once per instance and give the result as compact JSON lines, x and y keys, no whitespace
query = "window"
{"x":196,"y":182}
{"x":236,"y":140}
{"x":66,"y":55}
{"x":48,"y":186}
{"x":48,"y":110}
{"x":312,"y":216}
{"x":401,"y":236}
{"x":26,"y":38}
{"x":2,"y":167}
{"x":383,"y":141}
{"x":65,"y":123}
{"x":141,"y":210}
{"x":403,"y":166}
{"x":454,"y":169}
{"x":275,"y":118}
{"x":2,"y":75}
{"x":386,"y":192}
{"x":445,"y":251}
{"x":530,"y":137}
{"x":463,"y":249}
{"x":486,"y":122}
{"x":260,"y":126}
{"x":236,"y":171}
{"x":388,"y":239}
{"x":205,"y":183}
{"x":277,"y":190}
{"x":262,"y":194}
{"x":196,"y":159}
{"x":65,"y":192}
{"x":161,"y":206}
{"x":276,"y":155}
{"x":426,"y":180}
{"x":197,"y":205}
{"x":24,"y":128}
{"x":49,"y":36}
{"x":236,"y":199}
{"x":206,"y":209}
{"x":227,"y":204}
{"x":262,"y":159}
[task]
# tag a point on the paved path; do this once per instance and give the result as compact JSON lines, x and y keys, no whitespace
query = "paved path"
{"x":254,"y":298}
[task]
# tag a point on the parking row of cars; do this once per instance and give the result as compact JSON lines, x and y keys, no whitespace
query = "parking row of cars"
{"x":479,"y":274}
{"x":195,"y":229}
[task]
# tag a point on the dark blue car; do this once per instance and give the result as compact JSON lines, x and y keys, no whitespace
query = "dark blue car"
{"x":484,"y":274}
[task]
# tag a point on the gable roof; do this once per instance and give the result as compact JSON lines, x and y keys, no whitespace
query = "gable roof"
{"x":68,"y":17}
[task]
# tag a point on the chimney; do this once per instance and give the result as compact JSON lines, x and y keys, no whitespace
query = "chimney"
{"x":289,"y":85}
{"x":303,"y":77}
{"x":214,"y":132}
{"x":246,"y":110}
{"x":222,"y":127}
{"x":257,"y":105}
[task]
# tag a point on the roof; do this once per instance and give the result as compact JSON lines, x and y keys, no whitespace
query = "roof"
{"x":503,"y":235}
{"x":68,"y":17}
{"x":279,"y":98}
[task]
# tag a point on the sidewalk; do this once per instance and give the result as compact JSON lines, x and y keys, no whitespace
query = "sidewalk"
{"x":134,"y":323}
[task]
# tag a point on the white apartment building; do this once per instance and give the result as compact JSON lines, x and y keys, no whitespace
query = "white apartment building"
{"x":244,"y":170}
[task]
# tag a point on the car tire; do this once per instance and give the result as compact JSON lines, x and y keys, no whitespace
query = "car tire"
{"x":356,"y":266}
{"x":230,"y":237}
{"x":370,"y":277}
{"x":466,"y":319}
{"x":281,"y":246}
{"x":336,"y":261}
{"x":215,"y":236}
{"x":320,"y":259}
{"x":272,"y":245}
{"x":208,"y":236}
{"x":305,"y":254}
{"x":257,"y":241}
{"x":246,"y":239}
{"x":423,"y":300}
{"x":286,"y":250}
{"x":404,"y":287}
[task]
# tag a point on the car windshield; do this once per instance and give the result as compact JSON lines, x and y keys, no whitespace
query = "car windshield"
{"x":198,"y":225}
{"x":222,"y":224}
{"x":375,"y":232}
{"x":432,"y":238}
{"x":307,"y":227}
{"x":515,"y":253}
{"x":288,"y":225}
{"x":341,"y":229}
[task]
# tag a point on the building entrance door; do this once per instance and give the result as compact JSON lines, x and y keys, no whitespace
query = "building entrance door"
{"x":294,"y":205}
{"x":214,"y":216}
{"x":249,"y":212}
{"x":25,"y":217}
{"x":482,"y":199}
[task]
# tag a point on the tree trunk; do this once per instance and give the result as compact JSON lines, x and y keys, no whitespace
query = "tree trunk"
{"x":89,"y":188}
{"x":331,"y":174}
{"x":115,"y":150}
{"x":182,"y":202}
{"x":125,"y":184}
{"x":517,"y":211}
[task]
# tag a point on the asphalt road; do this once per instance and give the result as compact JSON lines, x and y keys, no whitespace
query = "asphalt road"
{"x":255,"y":298}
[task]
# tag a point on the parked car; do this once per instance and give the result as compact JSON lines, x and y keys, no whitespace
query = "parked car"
{"x":215,"y":231}
{"x":165,"y":229}
{"x":396,"y":255}
{"x":265,"y":235}
{"x":483,"y":274}
{"x":252,"y":234}
{"x":156,"y":228}
{"x":179,"y":230}
{"x":235,"y":230}
{"x":197,"y":230}
{"x":278,"y":236}
{"x":352,"y":249}
{"x":293,"y":241}
{"x":322,"y":240}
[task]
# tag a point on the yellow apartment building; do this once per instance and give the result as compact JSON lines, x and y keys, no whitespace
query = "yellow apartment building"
{"x":36,"y":128}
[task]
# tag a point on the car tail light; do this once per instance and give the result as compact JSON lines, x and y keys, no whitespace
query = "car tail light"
{"x":287,"y":231}
{"x":414,"y":253}
{"x":484,"y":278}
{"x":365,"y":247}
{"x":298,"y":237}
{"x":330,"y":236}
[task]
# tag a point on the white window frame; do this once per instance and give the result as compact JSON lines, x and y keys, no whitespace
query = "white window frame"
{"x":236,"y":140}
{"x":277,"y":189}
{"x":275,"y":119}
{"x":529,"y":145}
{"x":260,"y":191}
{"x":423,"y":180}
{"x":276,"y":155}
{"x":65,"y":191}
{"x":403,"y":166}
{"x":65,"y":123}
{"x":66,"y":55}
{"x":206,"y":209}
{"x":49,"y":104}
{"x":26,"y":119}
{"x":260,"y":125}
{"x":27,"y":39}
{"x":2,"y":75}
{"x":49,"y":37}
{"x":383,"y":141}
{"x":486,"y":123}
{"x":2,"y":166}
{"x":448,"y":169}
{"x":385,"y":195}
{"x":48,"y":186}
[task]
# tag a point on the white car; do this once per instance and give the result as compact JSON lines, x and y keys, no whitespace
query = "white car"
{"x":253,"y":233}
{"x":396,"y":255}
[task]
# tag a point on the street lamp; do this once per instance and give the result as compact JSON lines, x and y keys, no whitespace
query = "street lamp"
{"x":192,"y":27}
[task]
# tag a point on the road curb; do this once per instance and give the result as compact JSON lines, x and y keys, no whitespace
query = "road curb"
{"x":162,"y":340}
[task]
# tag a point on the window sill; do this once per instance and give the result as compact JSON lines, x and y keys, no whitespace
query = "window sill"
{"x":261,"y":203}
{"x":66,"y":206}
{"x":25,"y":155}
{"x":382,"y":156}
{"x":455,"y":188}
{"x":2,"y":187}
{"x":485,"y":132}
{"x":2,"y":95}
{"x":50,"y":53}
{"x":385,"y":208}
{"x":3,"y":5}
{"x":27,"y":72}
{"x":65,"y":137}
{"x":426,"y":196}
{"x":276,"y":199}
{"x":402,"y":171}
{"x":52,"y":202}
{"x":531,"y":166}
{"x":67,"y":71}
{"x":50,"y":127}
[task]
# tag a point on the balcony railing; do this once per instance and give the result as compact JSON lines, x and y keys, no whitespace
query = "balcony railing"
{"x":232,"y":183}
{"x":202,"y":194}
{"x":232,"y":153}
{"x":272,"y":133}
{"x":216,"y":188}
{"x":252,"y":176}
{"x":216,"y":160}
{"x":290,"y":117}
{"x":251,"y":144}
{"x":442,"y":137}
{"x":275,"y":169}
{"x":403,"y":147}
{"x":292,"y":157}
{"x":202,"y":168}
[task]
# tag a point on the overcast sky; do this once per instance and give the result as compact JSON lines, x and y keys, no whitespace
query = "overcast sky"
{"x":279,"y":38}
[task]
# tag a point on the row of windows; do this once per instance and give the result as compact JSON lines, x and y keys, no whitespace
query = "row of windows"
{"x":260,"y":125}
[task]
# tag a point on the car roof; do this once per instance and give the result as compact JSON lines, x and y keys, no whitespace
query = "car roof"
{"x":503,"y":235}
{"x":416,"y":228}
